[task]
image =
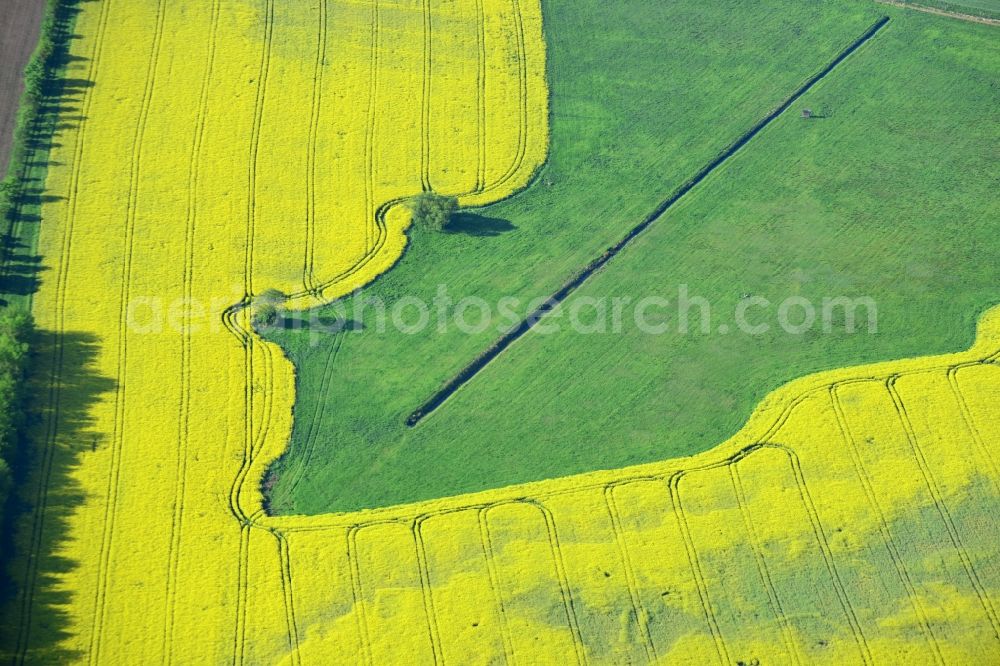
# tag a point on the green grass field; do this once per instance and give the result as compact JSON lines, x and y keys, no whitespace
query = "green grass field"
{"x":887,"y":194}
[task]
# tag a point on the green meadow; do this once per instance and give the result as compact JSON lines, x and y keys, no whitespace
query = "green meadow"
{"x":886,"y":193}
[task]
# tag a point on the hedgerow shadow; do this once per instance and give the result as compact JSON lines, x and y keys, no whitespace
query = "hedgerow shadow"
{"x":63,"y":383}
{"x":63,"y":387}
{"x":21,"y":275}
{"x":56,"y":110}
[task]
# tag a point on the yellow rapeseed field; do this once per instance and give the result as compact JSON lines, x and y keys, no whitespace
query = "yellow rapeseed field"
{"x":849,"y":522}
{"x":232,"y":146}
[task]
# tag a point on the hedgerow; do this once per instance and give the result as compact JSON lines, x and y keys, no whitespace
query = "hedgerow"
{"x":42,"y":68}
{"x":41,"y":72}
{"x":15,"y":327}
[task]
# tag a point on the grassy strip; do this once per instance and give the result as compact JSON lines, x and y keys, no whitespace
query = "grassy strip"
{"x":35,"y":124}
{"x":28,"y":113}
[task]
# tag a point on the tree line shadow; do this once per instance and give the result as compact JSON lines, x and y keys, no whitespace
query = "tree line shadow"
{"x":63,"y":386}
{"x":58,"y":111}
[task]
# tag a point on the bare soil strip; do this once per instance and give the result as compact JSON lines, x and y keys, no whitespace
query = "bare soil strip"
{"x":20,"y":23}
{"x":471,"y":370}
{"x":941,"y":12}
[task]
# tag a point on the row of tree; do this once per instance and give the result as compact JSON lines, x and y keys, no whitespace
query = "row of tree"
{"x":45,"y":60}
{"x":15,"y":328}
{"x":15,"y":325}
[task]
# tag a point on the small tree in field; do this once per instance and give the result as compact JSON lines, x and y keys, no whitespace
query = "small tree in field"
{"x":264,"y":315}
{"x":266,"y":308}
{"x":432,"y":211}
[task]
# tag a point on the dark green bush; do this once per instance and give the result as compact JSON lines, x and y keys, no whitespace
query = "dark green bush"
{"x":263,"y":314}
{"x":432,"y":211}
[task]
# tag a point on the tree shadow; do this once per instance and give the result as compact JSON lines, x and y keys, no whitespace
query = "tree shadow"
{"x":75,"y":86}
{"x":308,"y":321}
{"x":21,"y":272}
{"x":57,"y":111}
{"x":34,"y":197}
{"x":472,"y":224}
{"x":64,"y":385}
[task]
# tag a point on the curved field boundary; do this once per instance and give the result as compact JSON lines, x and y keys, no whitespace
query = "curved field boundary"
{"x":760,"y":435}
{"x":236,"y":317}
{"x":553,"y":542}
{"x":771,"y":414}
{"x":239,"y":641}
{"x":471,"y":370}
{"x":746,"y":444}
{"x":382,"y":246}
{"x":763,"y":432}
{"x":380,"y":253}
{"x":326,"y":290}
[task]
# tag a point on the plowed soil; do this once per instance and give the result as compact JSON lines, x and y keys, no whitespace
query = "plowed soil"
{"x":20,"y":21}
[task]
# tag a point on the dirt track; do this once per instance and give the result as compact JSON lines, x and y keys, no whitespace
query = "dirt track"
{"x":942,"y":12}
{"x":19,"y":25}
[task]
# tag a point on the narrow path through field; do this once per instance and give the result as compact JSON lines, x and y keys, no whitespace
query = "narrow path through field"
{"x":941,"y":12}
{"x":471,"y":370}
